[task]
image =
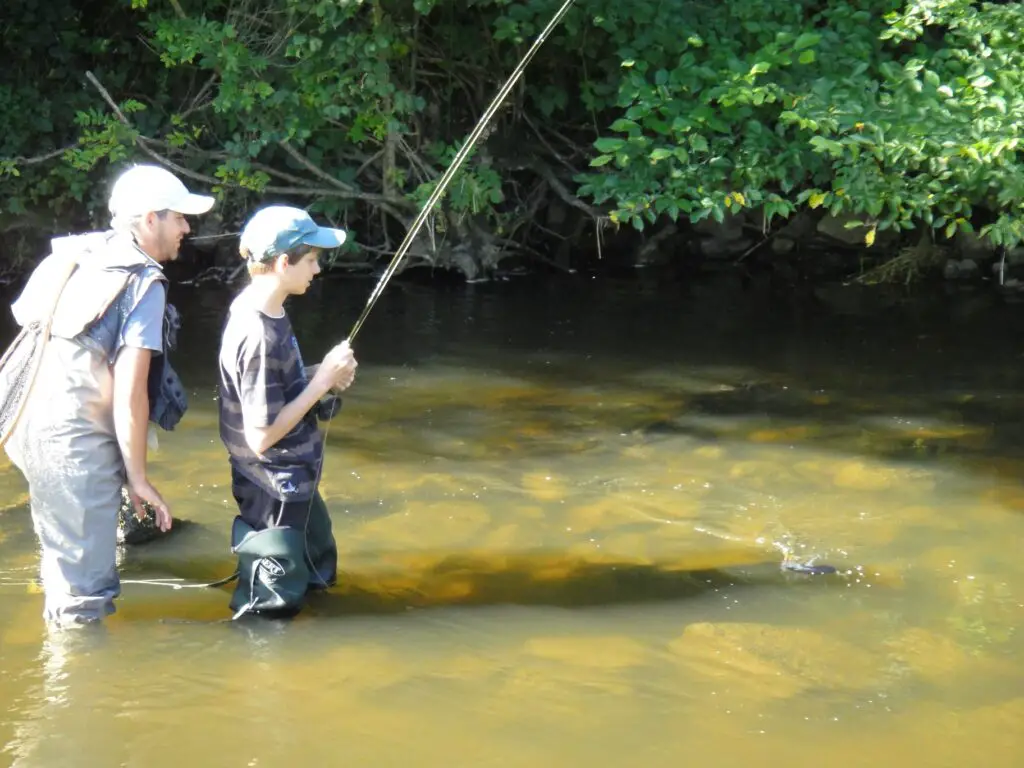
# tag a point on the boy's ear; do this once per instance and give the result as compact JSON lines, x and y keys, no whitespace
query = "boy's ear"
{"x":281,"y":263}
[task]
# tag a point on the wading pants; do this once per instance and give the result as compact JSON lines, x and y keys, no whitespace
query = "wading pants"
{"x":284,"y":549}
{"x":66,"y":448}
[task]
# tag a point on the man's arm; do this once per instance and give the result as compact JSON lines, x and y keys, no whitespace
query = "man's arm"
{"x":131,"y":409}
{"x":141,"y":335}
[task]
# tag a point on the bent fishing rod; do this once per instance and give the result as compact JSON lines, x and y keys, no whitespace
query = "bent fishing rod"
{"x":463,"y":153}
{"x":442,"y":185}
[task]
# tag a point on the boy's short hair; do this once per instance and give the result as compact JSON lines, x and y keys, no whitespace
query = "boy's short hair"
{"x":295,"y":255}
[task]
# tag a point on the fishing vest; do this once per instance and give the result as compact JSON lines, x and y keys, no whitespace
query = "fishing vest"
{"x":107,"y":264}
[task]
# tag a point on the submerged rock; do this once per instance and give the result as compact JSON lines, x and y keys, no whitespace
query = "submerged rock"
{"x":775,"y":661}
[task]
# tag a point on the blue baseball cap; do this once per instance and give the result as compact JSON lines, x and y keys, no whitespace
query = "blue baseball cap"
{"x":277,"y":228}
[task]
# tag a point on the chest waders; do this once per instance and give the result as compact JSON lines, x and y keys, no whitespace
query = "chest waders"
{"x":278,"y":565}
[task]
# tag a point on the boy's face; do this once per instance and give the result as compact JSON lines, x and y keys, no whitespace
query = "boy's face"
{"x":296,"y":278}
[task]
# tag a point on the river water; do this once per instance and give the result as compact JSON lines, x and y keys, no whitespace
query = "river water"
{"x":561,"y":508}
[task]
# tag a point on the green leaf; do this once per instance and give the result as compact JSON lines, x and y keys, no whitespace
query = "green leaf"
{"x":833,"y":148}
{"x":601,"y":160}
{"x":807,"y":57}
{"x":624,"y":125}
{"x":661,"y":153}
{"x":806,"y":40}
{"x":608,"y":145}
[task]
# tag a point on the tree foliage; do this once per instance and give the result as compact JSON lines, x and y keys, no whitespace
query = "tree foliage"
{"x":901,"y":114}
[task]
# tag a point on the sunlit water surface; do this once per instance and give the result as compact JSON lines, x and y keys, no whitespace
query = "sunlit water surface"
{"x":561,"y":510}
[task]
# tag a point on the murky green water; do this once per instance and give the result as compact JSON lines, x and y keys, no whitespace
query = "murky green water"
{"x":561,"y":510}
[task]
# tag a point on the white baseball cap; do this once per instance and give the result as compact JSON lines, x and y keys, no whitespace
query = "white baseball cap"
{"x":277,"y":228}
{"x":145,"y":188}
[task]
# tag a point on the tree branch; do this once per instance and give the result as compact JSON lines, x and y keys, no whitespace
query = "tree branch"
{"x":547,"y":146}
{"x":340,"y":191}
{"x":308,"y":164}
{"x":560,"y":189}
{"x":35,"y":160}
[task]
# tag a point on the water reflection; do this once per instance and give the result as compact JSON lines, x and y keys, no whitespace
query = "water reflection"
{"x":544,"y":492}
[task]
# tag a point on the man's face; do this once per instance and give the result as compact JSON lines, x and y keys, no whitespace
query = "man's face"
{"x":297,"y":277}
{"x":162,"y":236}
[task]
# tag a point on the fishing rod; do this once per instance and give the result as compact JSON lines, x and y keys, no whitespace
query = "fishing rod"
{"x":454,"y":167}
{"x":442,"y":185}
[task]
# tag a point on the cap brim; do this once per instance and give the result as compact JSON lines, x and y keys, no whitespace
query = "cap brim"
{"x":193,"y":205}
{"x":325,"y":237}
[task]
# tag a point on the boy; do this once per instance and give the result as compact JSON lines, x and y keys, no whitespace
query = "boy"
{"x":269,"y":406}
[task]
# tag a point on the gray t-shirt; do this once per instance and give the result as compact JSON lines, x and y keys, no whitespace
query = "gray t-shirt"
{"x":142,"y":328}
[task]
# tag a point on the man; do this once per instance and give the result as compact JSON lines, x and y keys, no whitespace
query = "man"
{"x":269,"y":406}
{"x":104,"y":375}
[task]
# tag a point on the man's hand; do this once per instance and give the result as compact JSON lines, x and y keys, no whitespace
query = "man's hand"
{"x":143,"y":491}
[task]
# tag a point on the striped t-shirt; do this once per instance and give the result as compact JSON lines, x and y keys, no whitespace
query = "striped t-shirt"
{"x":261,"y":370}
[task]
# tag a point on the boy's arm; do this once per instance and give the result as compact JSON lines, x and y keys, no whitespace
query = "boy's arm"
{"x":266,"y":416}
{"x":262,"y":438}
{"x":330,"y":404}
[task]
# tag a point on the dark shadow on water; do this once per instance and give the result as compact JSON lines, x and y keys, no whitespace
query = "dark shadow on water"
{"x":399,"y":582}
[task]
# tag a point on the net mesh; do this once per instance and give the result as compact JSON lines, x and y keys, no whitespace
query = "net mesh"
{"x":18,"y":368}
{"x":21,"y":360}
